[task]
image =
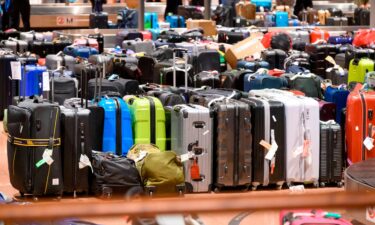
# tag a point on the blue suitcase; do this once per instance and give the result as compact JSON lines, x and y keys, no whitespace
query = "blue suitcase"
{"x":338,"y":96}
{"x":117,"y":131}
{"x":294,"y":23}
{"x":252,"y":65}
{"x":342,"y":40}
{"x":32,"y":80}
{"x":151,"y":20}
{"x":269,"y":20}
{"x":80,"y":51}
{"x":175,"y":21}
{"x":265,"y":4}
{"x":155,"y":33}
{"x":258,"y":81}
{"x":281,"y":19}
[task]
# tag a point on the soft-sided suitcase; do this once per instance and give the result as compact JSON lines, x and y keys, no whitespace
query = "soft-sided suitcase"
{"x":80,"y":51}
{"x":76,"y":149}
{"x":113,"y":84}
{"x":252,"y":65}
{"x":327,"y":110}
{"x":63,"y":86}
{"x":191,"y":132}
{"x":34,"y":148}
{"x":261,"y":80}
{"x":98,"y":20}
{"x":359,"y":125}
{"x":148,"y":118}
{"x":32,"y":83}
{"x":358,"y":69}
{"x":337,"y":75}
{"x":302,"y":135}
{"x":268,"y":124}
{"x":308,"y":83}
{"x":339,"y":96}
{"x":331,"y":153}
{"x":117,"y":130}
{"x":281,"y":19}
{"x":275,"y":58}
{"x":8,"y":86}
{"x":233,"y":79}
{"x":207,"y":78}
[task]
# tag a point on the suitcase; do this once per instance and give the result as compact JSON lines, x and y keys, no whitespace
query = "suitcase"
{"x":265,"y":4}
{"x":261,"y":80}
{"x":246,"y":10}
{"x":232,"y":36}
{"x":63,"y":86}
{"x":232,"y":79}
{"x":322,"y":16}
{"x":100,"y":39}
{"x":342,"y":40}
{"x":275,"y":58}
{"x":148,"y":118}
{"x":297,"y":59}
{"x":223,"y":15}
{"x":268,"y":124}
{"x":175,"y":21}
{"x":308,"y":83}
{"x":337,"y":75}
{"x":151,"y":20}
{"x":80,"y":51}
{"x":358,"y":69}
{"x":358,"y":53}
{"x":327,"y":110}
{"x":113,"y":84}
{"x":318,"y":54}
{"x":318,"y":34}
{"x":127,"y":35}
{"x":34,"y":148}
{"x":359,"y":120}
{"x":284,"y":8}
{"x":252,"y":65}
{"x":42,"y":48}
{"x":31,"y":36}
{"x":127,"y":19}
{"x":300,"y":35}
{"x":117,"y":130}
{"x":8,"y":86}
{"x":32,"y":80}
{"x":167,"y":99}
{"x":146,"y":65}
{"x":241,"y":22}
{"x":294,"y":23}
{"x":340,"y":60}
{"x":76,"y":149}
{"x":191,"y":132}
{"x":207,"y":79}
{"x":281,"y":19}
{"x":138,"y":46}
{"x":190,"y":12}
{"x":269,"y":20}
{"x":54,"y":61}
{"x":17,"y":46}
{"x":98,"y":20}
{"x":337,"y":21}
{"x":207,"y":60}
{"x":298,"y":167}
{"x":60,"y":43}
{"x":362,"y":16}
{"x":9,"y":33}
{"x":87,"y":42}
{"x":331,"y":154}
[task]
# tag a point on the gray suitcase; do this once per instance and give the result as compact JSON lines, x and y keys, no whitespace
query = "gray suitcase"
{"x":67,"y":61}
{"x":340,"y":60}
{"x":300,"y":35}
{"x":139,"y":46}
{"x":191,"y":131}
{"x":15,"y":45}
{"x":31,"y":36}
{"x":337,"y":21}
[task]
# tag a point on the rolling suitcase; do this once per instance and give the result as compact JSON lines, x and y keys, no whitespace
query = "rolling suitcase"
{"x":146,"y":65}
{"x":252,"y":65}
{"x":17,"y":46}
{"x":358,"y":69}
{"x":76,"y":149}
{"x":114,"y":84}
{"x":337,"y":75}
{"x":207,"y":78}
{"x":308,"y":83}
{"x":359,"y":124}
{"x":127,"y":18}
{"x":42,"y":48}
{"x":191,"y":132}
{"x":151,"y":20}
{"x":31,"y":83}
{"x":260,"y":80}
{"x":63,"y":86}
{"x":8,"y":86}
{"x":302,"y":144}
{"x":54,"y":61}
{"x":337,"y":21}
{"x":331,"y":154}
{"x":100,"y":39}
{"x":281,"y":19}
{"x":148,"y":118}
{"x":246,"y":10}
{"x":327,"y":110}
{"x":275,"y":58}
{"x":340,"y":60}
{"x":139,"y":46}
{"x":268,"y":124}
{"x":175,"y":21}
{"x":34,"y":148}
{"x":339,"y":96}
{"x":233,"y":79}
{"x":358,"y":53}
{"x":127,"y":35}
{"x":207,"y":60}
{"x":98,"y":20}
{"x":80,"y":51}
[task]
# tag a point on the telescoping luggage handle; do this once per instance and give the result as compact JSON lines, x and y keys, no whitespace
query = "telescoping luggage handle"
{"x":184,"y":51}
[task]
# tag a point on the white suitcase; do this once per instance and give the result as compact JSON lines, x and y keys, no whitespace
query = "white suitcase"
{"x":302,"y":123}
{"x":138,"y":45}
{"x":191,"y":131}
{"x":31,"y":36}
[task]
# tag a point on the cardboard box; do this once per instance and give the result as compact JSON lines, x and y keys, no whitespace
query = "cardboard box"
{"x":250,"y":46}
{"x":208,"y":26}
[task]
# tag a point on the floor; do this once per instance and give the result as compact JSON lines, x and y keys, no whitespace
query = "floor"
{"x":269,"y":218}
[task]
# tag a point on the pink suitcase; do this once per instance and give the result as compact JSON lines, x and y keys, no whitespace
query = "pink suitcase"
{"x":86,"y":42}
{"x":311,"y":217}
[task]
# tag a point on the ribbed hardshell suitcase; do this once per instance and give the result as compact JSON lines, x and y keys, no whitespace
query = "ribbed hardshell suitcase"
{"x":76,"y":149}
{"x":32,"y":83}
{"x":339,"y":96}
{"x":302,"y":134}
{"x":359,"y":124}
{"x":148,"y":118}
{"x":34,"y":131}
{"x":358,"y":69}
{"x":331,"y":153}
{"x":191,"y":132}
{"x":117,"y":131}
{"x":268,"y":124}
{"x":54,"y":61}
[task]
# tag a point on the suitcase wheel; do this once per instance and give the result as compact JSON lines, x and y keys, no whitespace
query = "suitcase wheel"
{"x":322,"y":184}
{"x":35,"y":199}
{"x":340,"y":184}
{"x":181,"y":189}
{"x":22,"y":194}
{"x":254,"y":188}
{"x":188,"y":187}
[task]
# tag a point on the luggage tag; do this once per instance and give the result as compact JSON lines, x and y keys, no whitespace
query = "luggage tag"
{"x":187,"y":156}
{"x":46,"y":158}
{"x":194,"y":170}
{"x":16,"y":70}
{"x":369,"y":143}
{"x":85,"y":161}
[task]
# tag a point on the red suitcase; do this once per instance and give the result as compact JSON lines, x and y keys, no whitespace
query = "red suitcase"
{"x":318,"y":34}
{"x":359,"y":124}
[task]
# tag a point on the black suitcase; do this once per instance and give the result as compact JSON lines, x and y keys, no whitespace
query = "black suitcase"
{"x":60,"y":43}
{"x":9,"y":87}
{"x":336,"y":21}
{"x":34,"y":140}
{"x":267,"y":118}
{"x":275,"y":57}
{"x":232,"y":79}
{"x":76,"y":149}
{"x":358,"y":53}
{"x":340,"y":60}
{"x":42,"y":48}
{"x":63,"y":87}
{"x":223,"y":15}
{"x":318,"y":54}
{"x":163,"y":74}
{"x":127,"y":68}
{"x":207,"y":78}
{"x":232,"y":37}
{"x":100,"y":39}
{"x":207,"y":60}
{"x":146,"y":65}
{"x":298,"y":58}
{"x":331,"y":154}
{"x":98,"y":20}
{"x":337,"y":76}
{"x":114,"y":84}
{"x":362,"y":16}
{"x":188,"y":12}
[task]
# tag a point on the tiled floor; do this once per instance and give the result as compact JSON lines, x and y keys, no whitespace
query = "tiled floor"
{"x":269,"y":218}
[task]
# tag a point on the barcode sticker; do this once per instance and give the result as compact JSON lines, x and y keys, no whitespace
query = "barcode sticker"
{"x":55,"y":181}
{"x":46,"y":86}
{"x":16,"y":70}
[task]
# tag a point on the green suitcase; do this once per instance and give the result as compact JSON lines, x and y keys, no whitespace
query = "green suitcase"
{"x":148,"y":120}
{"x":358,"y":68}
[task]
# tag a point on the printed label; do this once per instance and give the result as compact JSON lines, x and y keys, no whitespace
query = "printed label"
{"x":16,"y":70}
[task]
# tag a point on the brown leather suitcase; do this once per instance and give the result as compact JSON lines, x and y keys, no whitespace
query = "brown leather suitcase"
{"x":246,"y":10}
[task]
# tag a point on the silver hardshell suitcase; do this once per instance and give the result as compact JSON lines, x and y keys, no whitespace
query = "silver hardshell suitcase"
{"x":139,"y":46}
{"x":300,"y":35}
{"x":17,"y":46}
{"x":32,"y":36}
{"x":191,"y":132}
{"x":52,"y":61}
{"x":302,"y":132}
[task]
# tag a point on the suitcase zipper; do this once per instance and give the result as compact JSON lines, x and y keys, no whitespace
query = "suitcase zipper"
{"x":364,"y":123}
{"x":118,"y":128}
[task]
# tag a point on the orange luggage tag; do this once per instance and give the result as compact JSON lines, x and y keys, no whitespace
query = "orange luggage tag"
{"x":194,"y":170}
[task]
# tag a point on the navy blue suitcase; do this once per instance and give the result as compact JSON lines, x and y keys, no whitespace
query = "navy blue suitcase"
{"x":252,"y":65}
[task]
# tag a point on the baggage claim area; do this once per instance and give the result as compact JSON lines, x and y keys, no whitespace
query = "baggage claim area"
{"x":188,"y":112}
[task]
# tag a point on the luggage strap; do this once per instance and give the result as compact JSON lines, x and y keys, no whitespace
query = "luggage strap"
{"x":26,"y":142}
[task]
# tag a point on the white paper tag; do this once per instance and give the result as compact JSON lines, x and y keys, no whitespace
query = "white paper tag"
{"x":85,"y":161}
{"x":274,"y":118}
{"x":46,"y":81}
{"x":272,"y":151}
{"x":206,"y":132}
{"x":16,"y":70}
{"x":298,"y":151}
{"x":187,"y":156}
{"x":238,"y":20}
{"x":47,"y":156}
{"x":369,"y":143}
{"x":55,"y":181}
